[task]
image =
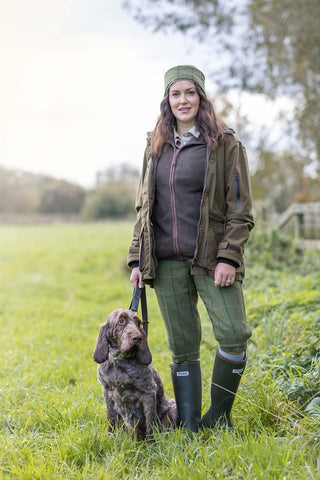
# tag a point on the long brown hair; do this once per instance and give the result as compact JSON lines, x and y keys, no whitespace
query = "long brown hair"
{"x":209,"y":124}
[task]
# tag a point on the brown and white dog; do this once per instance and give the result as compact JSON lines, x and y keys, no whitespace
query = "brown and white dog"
{"x":132,"y":388}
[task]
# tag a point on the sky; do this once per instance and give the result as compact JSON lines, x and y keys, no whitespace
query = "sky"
{"x":81,"y":84}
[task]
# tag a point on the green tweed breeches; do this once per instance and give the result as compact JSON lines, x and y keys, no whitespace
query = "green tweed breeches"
{"x":178,"y":293}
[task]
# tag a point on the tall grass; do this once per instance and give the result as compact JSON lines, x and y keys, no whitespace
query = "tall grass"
{"x":57,"y":284}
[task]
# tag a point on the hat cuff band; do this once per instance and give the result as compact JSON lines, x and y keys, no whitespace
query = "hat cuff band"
{"x":177,"y":80}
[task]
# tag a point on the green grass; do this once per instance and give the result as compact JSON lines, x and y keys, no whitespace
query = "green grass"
{"x":58,"y":283}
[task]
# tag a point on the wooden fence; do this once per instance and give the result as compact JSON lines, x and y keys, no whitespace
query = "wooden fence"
{"x":302,"y":221}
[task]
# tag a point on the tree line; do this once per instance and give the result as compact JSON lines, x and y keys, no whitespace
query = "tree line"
{"x":112,"y":196}
{"x":277,"y":181}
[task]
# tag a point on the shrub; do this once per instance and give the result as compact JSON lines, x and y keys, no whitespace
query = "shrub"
{"x":61,"y":197}
{"x":271,"y":248}
{"x":110,"y":200}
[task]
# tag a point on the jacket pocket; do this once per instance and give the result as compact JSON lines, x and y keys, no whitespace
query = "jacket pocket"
{"x":215,"y":234}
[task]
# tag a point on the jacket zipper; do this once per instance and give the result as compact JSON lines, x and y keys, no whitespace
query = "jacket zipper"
{"x":201,"y":205}
{"x":150,"y":210}
{"x":174,"y":207}
{"x":236,"y":179}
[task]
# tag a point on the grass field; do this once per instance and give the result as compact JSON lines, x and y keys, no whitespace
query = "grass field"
{"x":58,"y":283}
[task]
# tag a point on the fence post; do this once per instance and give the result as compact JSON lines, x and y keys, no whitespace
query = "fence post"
{"x":299,"y":230}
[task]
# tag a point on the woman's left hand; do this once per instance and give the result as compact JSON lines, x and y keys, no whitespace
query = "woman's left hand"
{"x":224,"y":275}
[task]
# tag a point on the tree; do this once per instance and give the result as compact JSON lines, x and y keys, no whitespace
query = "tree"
{"x":123,"y":172}
{"x":269,"y":46}
{"x":17,"y":194}
{"x":288,"y":37}
{"x":59,"y":196}
{"x":280,"y":180}
{"x":112,"y":199}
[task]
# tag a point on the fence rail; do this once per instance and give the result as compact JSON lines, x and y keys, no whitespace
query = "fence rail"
{"x":302,"y":220}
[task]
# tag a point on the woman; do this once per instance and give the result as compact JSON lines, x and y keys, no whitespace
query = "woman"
{"x":193,"y":219}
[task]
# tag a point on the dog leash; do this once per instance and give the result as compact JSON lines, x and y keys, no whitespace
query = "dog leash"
{"x":140,"y":293}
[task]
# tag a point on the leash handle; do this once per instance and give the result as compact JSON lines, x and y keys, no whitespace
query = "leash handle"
{"x":140,"y":293}
{"x":134,"y":305}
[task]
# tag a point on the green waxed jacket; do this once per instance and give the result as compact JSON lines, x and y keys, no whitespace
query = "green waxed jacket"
{"x":225,"y":216}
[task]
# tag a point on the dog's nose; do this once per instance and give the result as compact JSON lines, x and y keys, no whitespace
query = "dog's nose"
{"x":137,"y":338}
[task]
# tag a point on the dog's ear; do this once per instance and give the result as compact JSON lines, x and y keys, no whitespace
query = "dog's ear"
{"x":101,"y":351}
{"x":144,"y":355}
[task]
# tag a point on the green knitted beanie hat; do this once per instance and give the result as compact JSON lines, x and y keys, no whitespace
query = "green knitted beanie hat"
{"x":183,"y":72}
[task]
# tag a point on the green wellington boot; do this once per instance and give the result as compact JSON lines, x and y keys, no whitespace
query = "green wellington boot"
{"x":186,"y":381}
{"x":225,"y":382}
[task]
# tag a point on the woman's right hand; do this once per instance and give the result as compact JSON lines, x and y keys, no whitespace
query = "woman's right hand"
{"x":136,"y":277}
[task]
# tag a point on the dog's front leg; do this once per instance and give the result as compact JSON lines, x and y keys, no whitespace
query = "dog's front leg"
{"x":112,"y":415}
{"x":150,"y":413}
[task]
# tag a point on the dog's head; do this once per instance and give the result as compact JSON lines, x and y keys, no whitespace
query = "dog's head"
{"x":122,"y":337}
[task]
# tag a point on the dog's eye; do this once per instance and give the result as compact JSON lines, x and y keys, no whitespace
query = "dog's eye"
{"x":121,"y":321}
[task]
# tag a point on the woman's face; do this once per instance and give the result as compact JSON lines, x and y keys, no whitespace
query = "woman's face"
{"x":184,"y":101}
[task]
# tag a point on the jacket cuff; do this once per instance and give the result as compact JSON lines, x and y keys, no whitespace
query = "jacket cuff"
{"x":227,"y":250}
{"x":228,"y":261}
{"x":133,"y":264}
